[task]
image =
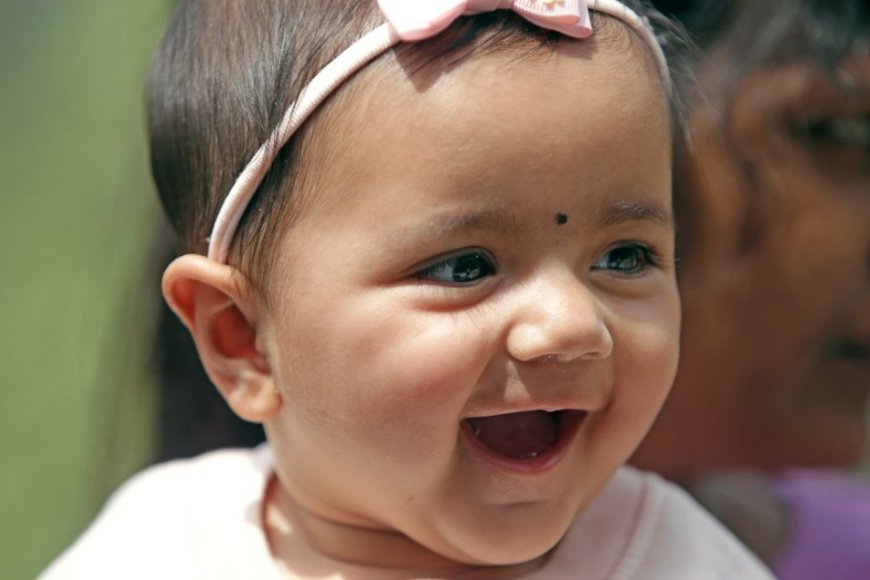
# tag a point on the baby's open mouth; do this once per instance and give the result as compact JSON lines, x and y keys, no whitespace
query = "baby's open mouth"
{"x":526,"y":434}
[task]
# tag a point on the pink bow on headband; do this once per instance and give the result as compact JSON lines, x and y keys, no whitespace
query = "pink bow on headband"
{"x":418,"y":19}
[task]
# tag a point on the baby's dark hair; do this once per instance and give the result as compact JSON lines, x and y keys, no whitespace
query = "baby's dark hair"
{"x":227,"y":70}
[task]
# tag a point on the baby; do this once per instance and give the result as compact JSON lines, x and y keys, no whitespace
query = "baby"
{"x":444,"y":284}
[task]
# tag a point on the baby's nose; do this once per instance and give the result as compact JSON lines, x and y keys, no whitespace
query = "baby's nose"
{"x":559,"y":318}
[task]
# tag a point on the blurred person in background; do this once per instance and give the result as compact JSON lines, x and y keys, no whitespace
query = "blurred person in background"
{"x":774,"y":214}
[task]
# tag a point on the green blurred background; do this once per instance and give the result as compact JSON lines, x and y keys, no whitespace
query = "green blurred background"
{"x":78,"y":287}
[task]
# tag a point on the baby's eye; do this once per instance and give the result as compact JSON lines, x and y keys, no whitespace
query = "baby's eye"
{"x":625,"y":259}
{"x":464,"y":269}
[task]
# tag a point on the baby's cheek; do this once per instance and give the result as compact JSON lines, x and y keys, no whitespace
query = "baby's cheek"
{"x":412,"y":387}
{"x":647,"y":375}
{"x":647,"y":341}
{"x":646,"y":355}
{"x":643,"y":379}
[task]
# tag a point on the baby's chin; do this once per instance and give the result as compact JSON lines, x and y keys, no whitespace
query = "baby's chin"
{"x":527,"y":541}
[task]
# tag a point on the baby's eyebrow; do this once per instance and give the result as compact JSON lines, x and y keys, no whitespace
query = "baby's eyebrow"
{"x":499,"y":221}
{"x":627,"y":211}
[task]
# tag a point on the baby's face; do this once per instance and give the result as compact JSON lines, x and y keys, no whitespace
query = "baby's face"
{"x":476,"y":320}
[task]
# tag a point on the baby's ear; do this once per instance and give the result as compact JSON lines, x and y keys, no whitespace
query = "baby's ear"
{"x":217,"y":305}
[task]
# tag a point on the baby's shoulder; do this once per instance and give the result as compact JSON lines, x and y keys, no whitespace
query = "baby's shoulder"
{"x":207,"y":480}
{"x":165,"y":498}
{"x":648,"y":528}
{"x":163,"y":520}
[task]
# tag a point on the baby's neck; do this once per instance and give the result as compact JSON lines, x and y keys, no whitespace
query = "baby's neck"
{"x":307,"y":545}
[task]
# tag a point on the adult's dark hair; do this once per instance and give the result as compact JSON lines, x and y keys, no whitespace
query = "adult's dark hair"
{"x":739,"y":37}
{"x":769,"y":31}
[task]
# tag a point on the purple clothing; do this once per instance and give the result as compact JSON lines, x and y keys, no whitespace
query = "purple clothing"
{"x":829,"y":527}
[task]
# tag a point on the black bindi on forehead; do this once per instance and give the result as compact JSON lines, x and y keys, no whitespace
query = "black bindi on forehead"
{"x":561,"y":219}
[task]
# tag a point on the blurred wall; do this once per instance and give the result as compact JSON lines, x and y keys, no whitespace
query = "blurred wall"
{"x":77,"y":216}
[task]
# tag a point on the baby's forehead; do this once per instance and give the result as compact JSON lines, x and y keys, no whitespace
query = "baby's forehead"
{"x":557,"y":120}
{"x":492,"y":71}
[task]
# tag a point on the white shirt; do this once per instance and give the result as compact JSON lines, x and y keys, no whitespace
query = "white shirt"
{"x":202,"y":518}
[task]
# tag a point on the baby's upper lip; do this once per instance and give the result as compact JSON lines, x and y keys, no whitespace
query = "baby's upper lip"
{"x":563,"y":391}
{"x":550,"y":406}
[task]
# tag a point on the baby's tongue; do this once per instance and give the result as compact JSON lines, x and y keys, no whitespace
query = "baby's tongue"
{"x":517,"y":435}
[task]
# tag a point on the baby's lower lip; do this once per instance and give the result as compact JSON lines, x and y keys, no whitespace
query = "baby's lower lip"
{"x":539,"y":461}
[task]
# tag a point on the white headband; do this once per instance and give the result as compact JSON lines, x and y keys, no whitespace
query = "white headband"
{"x":407,"y":21}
